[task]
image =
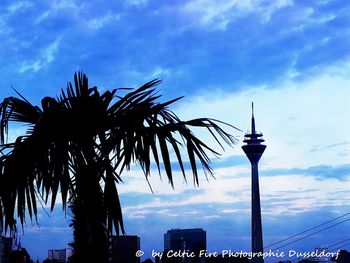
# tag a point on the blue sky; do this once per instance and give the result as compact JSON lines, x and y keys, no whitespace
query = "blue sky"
{"x":290,"y":57}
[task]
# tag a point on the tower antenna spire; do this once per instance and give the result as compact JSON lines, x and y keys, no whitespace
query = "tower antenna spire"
{"x":253,"y":120}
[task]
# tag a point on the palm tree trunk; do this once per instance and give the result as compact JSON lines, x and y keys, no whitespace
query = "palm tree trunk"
{"x":89,"y":232}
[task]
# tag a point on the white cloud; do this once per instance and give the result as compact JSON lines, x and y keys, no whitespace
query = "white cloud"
{"x":4,"y":27}
{"x":283,"y":194}
{"x":59,"y":6}
{"x":45,"y":58}
{"x":12,"y":10}
{"x":50,"y":51}
{"x":64,"y":4}
{"x":218,"y":14}
{"x":137,"y":3}
{"x":295,"y":194}
{"x":100,"y":22}
{"x":42,"y":17}
{"x":21,"y":5}
{"x":159,"y":73}
{"x":51,"y":229}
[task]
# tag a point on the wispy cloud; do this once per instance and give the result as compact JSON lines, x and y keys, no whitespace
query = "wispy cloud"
{"x":99,"y":22}
{"x":45,"y":58}
{"x":344,"y":146}
{"x":294,"y":193}
{"x":321,"y":172}
{"x":137,"y":3}
{"x":219,"y":14}
{"x":18,"y":6}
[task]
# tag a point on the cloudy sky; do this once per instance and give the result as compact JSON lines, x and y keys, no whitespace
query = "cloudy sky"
{"x":290,"y":57}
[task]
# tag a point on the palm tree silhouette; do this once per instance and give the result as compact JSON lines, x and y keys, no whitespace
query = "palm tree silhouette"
{"x":79,"y":143}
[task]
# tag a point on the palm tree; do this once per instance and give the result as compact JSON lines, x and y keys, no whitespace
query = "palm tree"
{"x":78,"y":144}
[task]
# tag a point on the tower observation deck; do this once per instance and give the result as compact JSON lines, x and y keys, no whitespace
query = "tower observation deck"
{"x":254,"y":150}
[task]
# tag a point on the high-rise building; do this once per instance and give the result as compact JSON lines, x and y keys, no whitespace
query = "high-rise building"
{"x":322,"y":255}
{"x":320,"y":250}
{"x":60,"y":255}
{"x":5,"y":249}
{"x":227,"y":259}
{"x":344,"y":257}
{"x":123,"y":249}
{"x":187,"y":240}
{"x":254,"y":150}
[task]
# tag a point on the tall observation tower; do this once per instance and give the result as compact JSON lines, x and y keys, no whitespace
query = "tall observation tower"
{"x":254,"y":149}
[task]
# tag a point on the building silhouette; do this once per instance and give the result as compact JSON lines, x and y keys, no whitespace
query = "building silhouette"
{"x":322,"y":259}
{"x":323,"y":255}
{"x":226,"y":259}
{"x":5,"y":249}
{"x":186,"y":240}
{"x":123,"y":249}
{"x":344,"y":257}
{"x":254,"y":150}
{"x":59,"y":255}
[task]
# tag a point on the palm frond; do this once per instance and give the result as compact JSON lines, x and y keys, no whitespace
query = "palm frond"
{"x":141,"y":125}
{"x":17,"y":110}
{"x":85,"y":137}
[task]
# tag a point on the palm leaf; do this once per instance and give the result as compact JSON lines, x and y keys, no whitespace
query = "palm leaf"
{"x":84,"y":129}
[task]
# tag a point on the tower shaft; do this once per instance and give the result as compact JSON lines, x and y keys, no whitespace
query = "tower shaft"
{"x":257,"y":238}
